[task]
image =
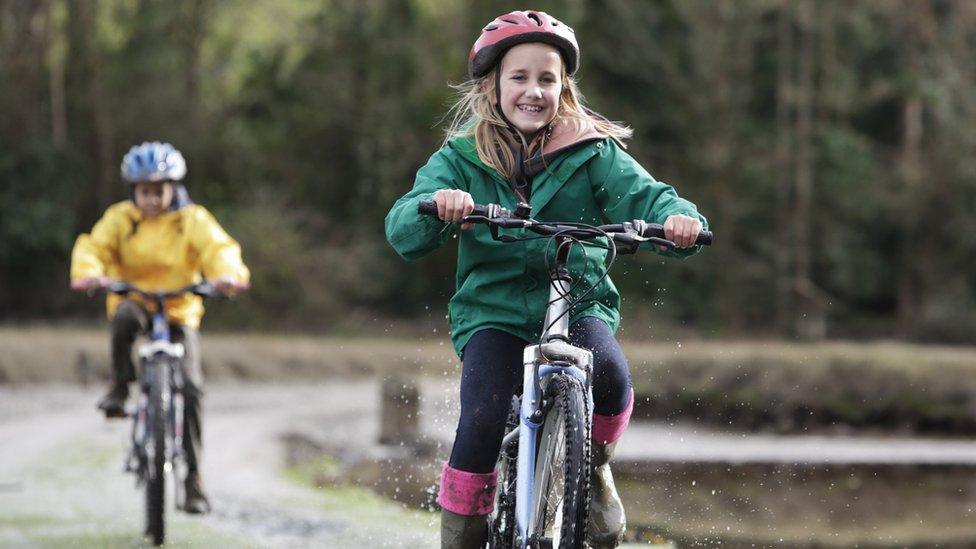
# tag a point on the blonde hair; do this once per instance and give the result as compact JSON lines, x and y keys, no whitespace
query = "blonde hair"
{"x":474,"y":115}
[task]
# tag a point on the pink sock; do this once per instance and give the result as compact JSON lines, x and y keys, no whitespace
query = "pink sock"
{"x":464,"y":493}
{"x":607,"y":429}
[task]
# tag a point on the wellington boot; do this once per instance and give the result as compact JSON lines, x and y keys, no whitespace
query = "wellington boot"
{"x":463,"y":532}
{"x":606,"y":525}
{"x":113,"y":403}
{"x":196,"y":500}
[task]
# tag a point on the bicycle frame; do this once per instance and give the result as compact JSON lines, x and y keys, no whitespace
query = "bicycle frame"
{"x":554,"y":356}
{"x":161,"y":346}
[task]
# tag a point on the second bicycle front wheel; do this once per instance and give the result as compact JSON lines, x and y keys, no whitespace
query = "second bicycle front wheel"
{"x":155,"y":448}
{"x":562,"y":482}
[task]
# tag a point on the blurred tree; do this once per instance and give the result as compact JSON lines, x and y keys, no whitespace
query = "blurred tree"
{"x":829,"y":143}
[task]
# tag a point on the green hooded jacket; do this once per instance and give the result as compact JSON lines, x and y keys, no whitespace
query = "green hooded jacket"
{"x":505,"y":285}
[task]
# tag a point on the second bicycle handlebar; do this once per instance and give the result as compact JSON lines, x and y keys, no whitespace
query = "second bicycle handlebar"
{"x":202,"y":289}
{"x":626,"y":233}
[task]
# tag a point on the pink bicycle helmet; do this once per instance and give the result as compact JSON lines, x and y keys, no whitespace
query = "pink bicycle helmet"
{"x":519,"y":27}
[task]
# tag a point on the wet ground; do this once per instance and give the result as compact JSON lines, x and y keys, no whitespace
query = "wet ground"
{"x":269,"y":445}
{"x":61,"y":483}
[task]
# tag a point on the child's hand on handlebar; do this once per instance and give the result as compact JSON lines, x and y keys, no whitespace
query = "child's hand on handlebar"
{"x":682,"y":230}
{"x":452,"y":205}
{"x":90,"y":283}
{"x":228,"y":284}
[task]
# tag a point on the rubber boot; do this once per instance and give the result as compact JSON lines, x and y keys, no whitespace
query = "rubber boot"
{"x":463,"y":532}
{"x":113,"y":403}
{"x":606,"y":524}
{"x":196,"y":500}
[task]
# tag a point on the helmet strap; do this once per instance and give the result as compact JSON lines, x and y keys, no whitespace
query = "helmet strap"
{"x":498,"y":104}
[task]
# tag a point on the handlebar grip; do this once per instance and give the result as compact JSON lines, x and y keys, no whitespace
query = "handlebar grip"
{"x":657,"y":231}
{"x":429,"y":207}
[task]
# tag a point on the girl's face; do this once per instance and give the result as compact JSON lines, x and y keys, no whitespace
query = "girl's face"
{"x":531,"y":81}
{"x":153,"y":198}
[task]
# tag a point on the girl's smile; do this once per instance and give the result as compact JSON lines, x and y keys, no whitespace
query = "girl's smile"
{"x":531,"y":81}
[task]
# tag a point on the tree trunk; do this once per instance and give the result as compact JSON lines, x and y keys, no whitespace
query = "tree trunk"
{"x":911,"y":174}
{"x":97,"y":102}
{"x":808,"y":314}
{"x":783,"y":162}
{"x":55,"y":59}
{"x":24,"y":35}
{"x":196,"y":19}
{"x":917,"y":25}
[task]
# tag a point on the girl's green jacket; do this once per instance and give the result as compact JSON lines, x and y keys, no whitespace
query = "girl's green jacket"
{"x":505,"y":285}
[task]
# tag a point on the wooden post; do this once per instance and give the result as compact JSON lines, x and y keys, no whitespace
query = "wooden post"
{"x":83,"y":369}
{"x":399,"y":408}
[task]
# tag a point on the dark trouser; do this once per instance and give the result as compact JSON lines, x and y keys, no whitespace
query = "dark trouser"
{"x":492,"y":372}
{"x":132,"y":320}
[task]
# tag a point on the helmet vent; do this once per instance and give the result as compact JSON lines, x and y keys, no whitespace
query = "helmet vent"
{"x":510,"y":21}
{"x":535,"y":17}
{"x":490,"y":28}
{"x":153,"y":161}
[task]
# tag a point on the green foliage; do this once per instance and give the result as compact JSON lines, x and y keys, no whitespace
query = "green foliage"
{"x":303,"y":121}
{"x":36,"y":226}
{"x":802,"y":388}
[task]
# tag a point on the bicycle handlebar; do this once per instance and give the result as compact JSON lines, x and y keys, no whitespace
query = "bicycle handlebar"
{"x":629,"y":233}
{"x":202,"y":289}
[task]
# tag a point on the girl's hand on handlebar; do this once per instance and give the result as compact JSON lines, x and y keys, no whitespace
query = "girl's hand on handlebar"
{"x":228,"y":284}
{"x":452,"y":205}
{"x":90,"y":283}
{"x":682,"y":230}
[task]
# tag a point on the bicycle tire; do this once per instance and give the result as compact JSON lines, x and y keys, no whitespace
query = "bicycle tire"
{"x":177,"y":424}
{"x":562,"y":482}
{"x":502,"y":518}
{"x":156,"y":454}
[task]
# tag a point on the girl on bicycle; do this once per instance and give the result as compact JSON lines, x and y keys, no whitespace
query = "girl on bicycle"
{"x":158,"y":240}
{"x":521,"y":134}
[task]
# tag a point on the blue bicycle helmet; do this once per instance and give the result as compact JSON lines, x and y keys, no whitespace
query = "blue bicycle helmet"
{"x":153,"y":162}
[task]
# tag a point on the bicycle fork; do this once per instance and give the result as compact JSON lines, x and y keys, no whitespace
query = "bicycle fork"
{"x":554,"y":357}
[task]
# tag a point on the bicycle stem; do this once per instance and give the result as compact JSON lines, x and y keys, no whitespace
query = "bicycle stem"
{"x":556,"y":325}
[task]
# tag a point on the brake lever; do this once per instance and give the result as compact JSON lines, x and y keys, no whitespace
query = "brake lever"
{"x":661,"y":242}
{"x":475,"y":218}
{"x":205,"y":289}
{"x":627,"y":243}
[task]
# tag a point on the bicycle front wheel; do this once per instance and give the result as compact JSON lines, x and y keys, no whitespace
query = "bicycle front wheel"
{"x":155,"y":447}
{"x":562,"y":481}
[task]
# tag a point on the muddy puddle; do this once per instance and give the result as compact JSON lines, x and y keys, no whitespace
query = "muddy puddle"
{"x":734,"y":505}
{"x":708,"y":505}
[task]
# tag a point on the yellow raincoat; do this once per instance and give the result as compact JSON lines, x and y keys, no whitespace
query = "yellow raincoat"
{"x":173,"y":250}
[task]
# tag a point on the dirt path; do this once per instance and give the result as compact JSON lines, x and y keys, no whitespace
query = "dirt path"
{"x":61,"y":482}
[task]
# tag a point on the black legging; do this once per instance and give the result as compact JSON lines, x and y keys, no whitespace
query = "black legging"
{"x":492,"y":372}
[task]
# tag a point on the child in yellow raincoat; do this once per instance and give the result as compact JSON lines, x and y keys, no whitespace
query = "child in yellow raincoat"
{"x":158,"y":240}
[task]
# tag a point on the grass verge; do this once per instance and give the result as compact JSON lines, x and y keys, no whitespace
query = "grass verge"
{"x":786,"y":387}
